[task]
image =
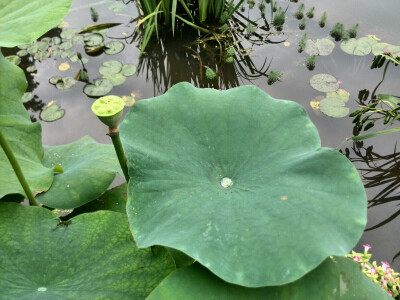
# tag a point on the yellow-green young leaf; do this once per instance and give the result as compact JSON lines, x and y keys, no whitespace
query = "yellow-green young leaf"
{"x":219,"y":176}
{"x":337,"y":278}
{"x":91,"y":256}
{"x":23,"y":21}
{"x":23,"y":136}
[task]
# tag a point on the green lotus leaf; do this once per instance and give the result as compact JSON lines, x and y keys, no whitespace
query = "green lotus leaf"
{"x":117,"y":7}
{"x":78,"y":39}
{"x":31,"y":69}
{"x":26,"y":97}
{"x":110,"y":67}
{"x":100,"y":87}
{"x":324,"y":83}
{"x":23,"y":136}
{"x":393,"y":50}
{"x":68,"y":33}
{"x":68,"y":53}
{"x":22,"y":52}
{"x":55,"y":79}
{"x":41,"y":55}
{"x":14,"y":59}
{"x":128,"y":70}
{"x":94,"y":39}
{"x":333,"y":107}
{"x":116,"y":79}
{"x":18,"y":18}
{"x":65,"y":83}
{"x":114,"y":47}
{"x":66,"y":45}
{"x":52,"y":113}
{"x":337,"y":278}
{"x":55,"y":40}
{"x":91,"y":256}
{"x":89,"y":169}
{"x":339,"y":94}
{"x":370,"y":40}
{"x":356,"y":47}
{"x":219,"y":176}
{"x":321,"y":47}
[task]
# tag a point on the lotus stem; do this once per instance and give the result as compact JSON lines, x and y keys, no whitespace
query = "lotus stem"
{"x":113,"y":132}
{"x":17,"y":169}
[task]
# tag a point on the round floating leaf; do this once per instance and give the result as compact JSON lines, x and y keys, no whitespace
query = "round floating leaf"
{"x":23,"y":21}
{"x":339,"y":94}
{"x":370,"y":40}
{"x":42,"y":55}
{"x":22,"y":52}
{"x":65,"y":83}
{"x":67,"y":54}
{"x":321,"y":47}
{"x":26,"y":97}
{"x":110,"y":67}
{"x":55,"y":79}
{"x":337,"y":278}
{"x":52,"y":113}
{"x":324,"y":83}
{"x":14,"y":59}
{"x":356,"y":47}
{"x":31,"y":69}
{"x":89,"y":169}
{"x":333,"y":107}
{"x":68,"y":33}
{"x":94,"y":39}
{"x":114,"y":47}
{"x":91,"y":256}
{"x":66,"y":46}
{"x":128,"y":70}
{"x":55,"y":40}
{"x":219,"y":176}
{"x":78,"y":39}
{"x":100,"y":87}
{"x":117,"y":7}
{"x":393,"y":50}
{"x":116,"y":79}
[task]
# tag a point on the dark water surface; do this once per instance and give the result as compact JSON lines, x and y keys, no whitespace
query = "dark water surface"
{"x":168,"y":62}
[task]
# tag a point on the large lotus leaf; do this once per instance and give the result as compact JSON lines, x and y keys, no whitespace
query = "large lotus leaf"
{"x":238,"y":181}
{"x":356,"y":47}
{"x":339,"y":278}
{"x":89,"y":169}
{"x":23,"y":136}
{"x":23,"y":21}
{"x":92,"y":256}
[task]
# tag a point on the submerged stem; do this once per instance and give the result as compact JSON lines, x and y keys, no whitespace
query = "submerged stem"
{"x":114,"y":134}
{"x":17,"y":169}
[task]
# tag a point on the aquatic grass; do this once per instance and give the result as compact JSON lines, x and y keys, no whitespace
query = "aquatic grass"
{"x":279,"y":19}
{"x":353,"y":31}
{"x":302,"y":24}
{"x":338,"y":32}
{"x":274,"y":76}
{"x":310,"y":62}
{"x":302,"y":43}
{"x":323,"y":19}
{"x":299,"y":14}
{"x":310,"y":13}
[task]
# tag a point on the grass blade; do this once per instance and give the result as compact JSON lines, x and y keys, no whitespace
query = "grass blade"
{"x":371,"y":135}
{"x":193,"y":25}
{"x":173,"y":13}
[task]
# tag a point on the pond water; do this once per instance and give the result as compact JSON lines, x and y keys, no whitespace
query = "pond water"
{"x":170,"y":61}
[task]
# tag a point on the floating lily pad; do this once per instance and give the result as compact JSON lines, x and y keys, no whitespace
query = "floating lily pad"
{"x":14,"y":59}
{"x":113,"y":48}
{"x":203,"y":183}
{"x":55,"y":79}
{"x":370,"y":40}
{"x":100,"y":87}
{"x":65,"y":83}
{"x":22,"y":52}
{"x":31,"y":69}
{"x":110,"y":67}
{"x":52,"y":113}
{"x":94,"y":39}
{"x":95,"y":50}
{"x":393,"y":50}
{"x":117,"y":7}
{"x":324,"y":83}
{"x":321,"y":47}
{"x":128,"y":70}
{"x":339,"y":94}
{"x":333,"y":107}
{"x":55,"y":40}
{"x":67,"y":54}
{"x":68,"y":33}
{"x":26,"y":97}
{"x":116,"y":79}
{"x":336,"y":278}
{"x":89,"y":169}
{"x":356,"y":47}
{"x":78,"y":39}
{"x":91,"y":256}
{"x":41,"y":55}
{"x":66,"y":46}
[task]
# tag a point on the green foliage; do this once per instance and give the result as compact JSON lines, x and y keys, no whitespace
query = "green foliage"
{"x":338,"y":32}
{"x":323,"y":19}
{"x":279,"y":18}
{"x":208,"y":182}
{"x":302,"y":24}
{"x":324,"y":83}
{"x":210,"y":74}
{"x":302,"y":43}
{"x":274,"y":76}
{"x":310,"y":13}
{"x":353,"y":31}
{"x":310,"y":62}
{"x":360,"y":47}
{"x":299,"y":14}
